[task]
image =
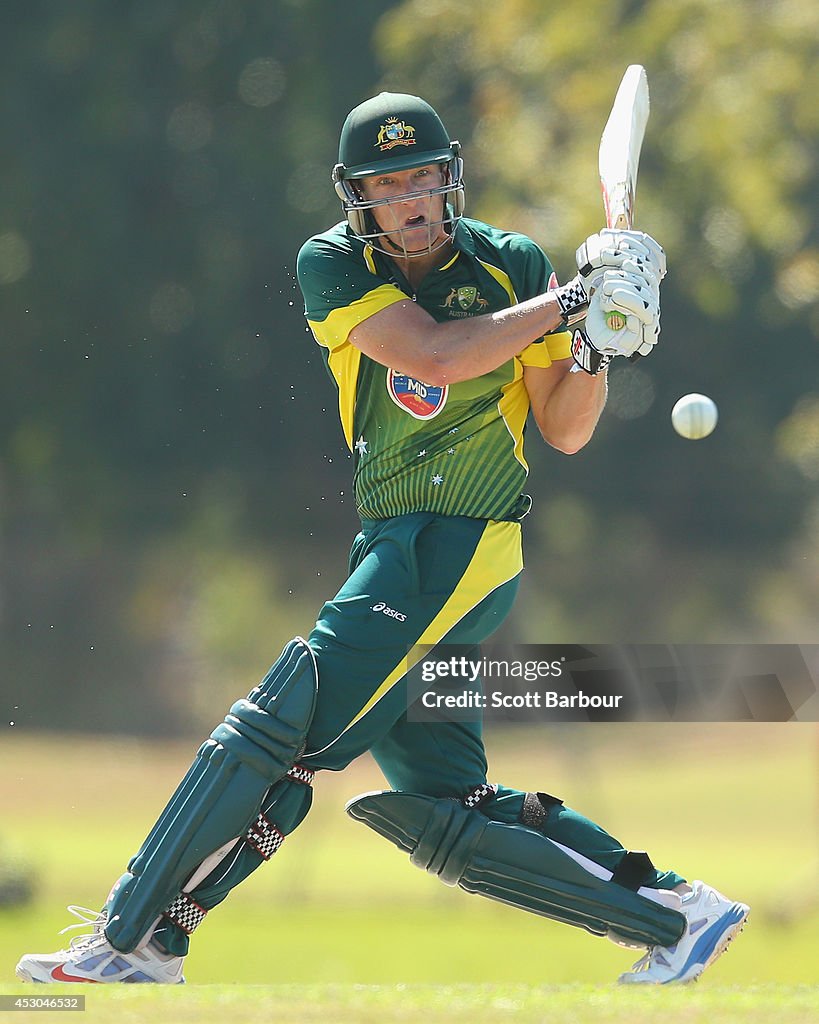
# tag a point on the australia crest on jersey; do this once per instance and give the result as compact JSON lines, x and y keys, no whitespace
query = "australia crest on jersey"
{"x":467,"y":297}
{"x":423,"y":401}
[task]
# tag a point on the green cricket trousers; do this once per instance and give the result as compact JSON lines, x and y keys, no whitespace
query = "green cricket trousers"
{"x":415,"y":581}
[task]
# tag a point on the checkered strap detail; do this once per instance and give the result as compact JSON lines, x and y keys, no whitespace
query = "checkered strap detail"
{"x":298,"y":773}
{"x":480,"y":794}
{"x":573,"y":301}
{"x":186,"y":913}
{"x":264,"y":837}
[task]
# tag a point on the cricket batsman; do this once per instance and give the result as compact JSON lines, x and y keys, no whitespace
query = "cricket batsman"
{"x":441,"y":335}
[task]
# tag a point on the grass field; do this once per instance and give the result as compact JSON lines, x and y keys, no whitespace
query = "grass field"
{"x":480,"y":1003}
{"x":339,"y":927}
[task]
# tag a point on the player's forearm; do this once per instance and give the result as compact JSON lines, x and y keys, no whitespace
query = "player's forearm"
{"x":460,"y":350}
{"x":567,"y":419}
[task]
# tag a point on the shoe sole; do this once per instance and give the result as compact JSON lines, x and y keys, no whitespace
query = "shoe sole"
{"x":26,"y":975}
{"x":738,"y":917}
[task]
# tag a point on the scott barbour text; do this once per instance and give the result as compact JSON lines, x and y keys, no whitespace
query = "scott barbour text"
{"x":529,"y":699}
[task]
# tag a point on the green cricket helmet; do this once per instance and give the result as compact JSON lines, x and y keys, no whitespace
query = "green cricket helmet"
{"x":396,"y":132}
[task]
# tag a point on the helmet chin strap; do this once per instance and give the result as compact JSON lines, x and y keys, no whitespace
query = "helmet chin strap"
{"x":404,"y":252}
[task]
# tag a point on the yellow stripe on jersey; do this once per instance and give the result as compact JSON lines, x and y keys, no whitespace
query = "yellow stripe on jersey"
{"x":344,"y":359}
{"x":369,"y":259}
{"x":544,"y":352}
{"x":514,"y":408}
{"x":335,"y":329}
{"x":503,"y":280}
{"x":344,"y":362}
{"x":498,"y":558}
{"x":560,"y":345}
{"x":449,"y":263}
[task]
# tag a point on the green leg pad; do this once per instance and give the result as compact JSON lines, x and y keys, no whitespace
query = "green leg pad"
{"x":513,"y":864}
{"x":286,"y":805}
{"x":221,"y":794}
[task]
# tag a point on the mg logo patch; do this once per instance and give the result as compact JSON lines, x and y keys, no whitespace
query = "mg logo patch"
{"x":423,"y":401}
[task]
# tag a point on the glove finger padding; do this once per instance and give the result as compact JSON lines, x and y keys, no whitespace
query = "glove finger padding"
{"x":640,"y":331}
{"x":594,"y":259}
{"x":594,"y":254}
{"x":638,"y":278}
{"x":623,"y":342}
{"x":626,"y":296}
{"x":638,"y":243}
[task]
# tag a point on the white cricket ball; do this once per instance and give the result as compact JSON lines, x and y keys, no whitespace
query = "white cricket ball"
{"x":694,"y":416}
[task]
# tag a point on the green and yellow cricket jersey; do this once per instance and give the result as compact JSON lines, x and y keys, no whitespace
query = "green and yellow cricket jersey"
{"x":452,"y":450}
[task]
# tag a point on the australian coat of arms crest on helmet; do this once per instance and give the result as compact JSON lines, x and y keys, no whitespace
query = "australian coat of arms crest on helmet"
{"x":395,"y":133}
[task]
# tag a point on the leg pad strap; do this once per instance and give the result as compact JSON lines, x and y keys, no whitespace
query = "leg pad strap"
{"x":634,"y":870}
{"x":186,"y":913}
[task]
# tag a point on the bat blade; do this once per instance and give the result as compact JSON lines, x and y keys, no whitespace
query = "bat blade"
{"x":620,"y":146}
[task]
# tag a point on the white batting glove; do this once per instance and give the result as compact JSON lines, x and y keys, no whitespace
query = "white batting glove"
{"x":633,"y":254}
{"x":613,"y":248}
{"x":623,"y":318}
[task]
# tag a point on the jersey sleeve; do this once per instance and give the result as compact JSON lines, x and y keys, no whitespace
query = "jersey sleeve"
{"x":538,"y":277}
{"x":341,"y":288}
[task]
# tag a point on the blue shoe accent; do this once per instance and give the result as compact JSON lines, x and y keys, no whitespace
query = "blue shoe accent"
{"x":708,"y":941}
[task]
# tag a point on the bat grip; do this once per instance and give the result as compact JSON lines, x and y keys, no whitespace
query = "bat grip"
{"x":622,"y":221}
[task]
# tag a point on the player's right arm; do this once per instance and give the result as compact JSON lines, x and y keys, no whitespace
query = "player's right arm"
{"x":347,"y":303}
{"x":404,"y":336}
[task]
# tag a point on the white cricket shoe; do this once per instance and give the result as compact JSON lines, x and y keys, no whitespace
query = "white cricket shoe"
{"x":92,"y":959}
{"x":712,"y":920}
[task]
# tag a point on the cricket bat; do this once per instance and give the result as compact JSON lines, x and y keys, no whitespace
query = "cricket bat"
{"x":620,"y":146}
{"x":619,"y":155}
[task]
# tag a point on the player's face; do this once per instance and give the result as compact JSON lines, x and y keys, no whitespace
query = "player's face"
{"x":411,"y":218}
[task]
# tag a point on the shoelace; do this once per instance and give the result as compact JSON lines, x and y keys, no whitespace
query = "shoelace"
{"x":95,"y":918}
{"x":644,"y":961}
{"x":655,"y":954}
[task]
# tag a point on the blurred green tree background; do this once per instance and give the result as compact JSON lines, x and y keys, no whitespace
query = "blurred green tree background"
{"x":174,"y":488}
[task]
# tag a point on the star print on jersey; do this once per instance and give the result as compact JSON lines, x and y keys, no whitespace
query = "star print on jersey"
{"x":361,"y":446}
{"x":437,"y":480}
{"x":420,"y":400}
